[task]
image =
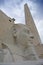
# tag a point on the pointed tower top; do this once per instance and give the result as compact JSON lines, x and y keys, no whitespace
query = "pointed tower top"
{"x":25,"y":4}
{"x":28,"y":16}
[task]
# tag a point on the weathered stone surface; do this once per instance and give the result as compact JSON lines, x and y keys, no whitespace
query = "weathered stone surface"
{"x":17,"y":41}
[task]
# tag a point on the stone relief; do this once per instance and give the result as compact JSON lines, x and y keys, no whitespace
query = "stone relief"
{"x":22,"y":41}
{"x":22,"y":49}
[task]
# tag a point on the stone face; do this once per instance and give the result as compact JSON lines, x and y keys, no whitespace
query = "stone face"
{"x":23,"y":46}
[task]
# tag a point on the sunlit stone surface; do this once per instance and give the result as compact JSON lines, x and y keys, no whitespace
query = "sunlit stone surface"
{"x":19,"y":42}
{"x":23,"y":48}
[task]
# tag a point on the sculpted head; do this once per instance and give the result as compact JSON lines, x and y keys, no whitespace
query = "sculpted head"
{"x":22,"y":34}
{"x":23,"y":38}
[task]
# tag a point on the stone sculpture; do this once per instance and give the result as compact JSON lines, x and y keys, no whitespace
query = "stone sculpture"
{"x":23,"y":48}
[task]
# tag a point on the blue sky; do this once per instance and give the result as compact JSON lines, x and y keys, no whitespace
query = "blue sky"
{"x":15,"y":9}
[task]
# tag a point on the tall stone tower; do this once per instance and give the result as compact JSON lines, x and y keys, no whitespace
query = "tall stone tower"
{"x":30,"y":23}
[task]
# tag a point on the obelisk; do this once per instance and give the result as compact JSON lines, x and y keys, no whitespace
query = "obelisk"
{"x":30,"y":23}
